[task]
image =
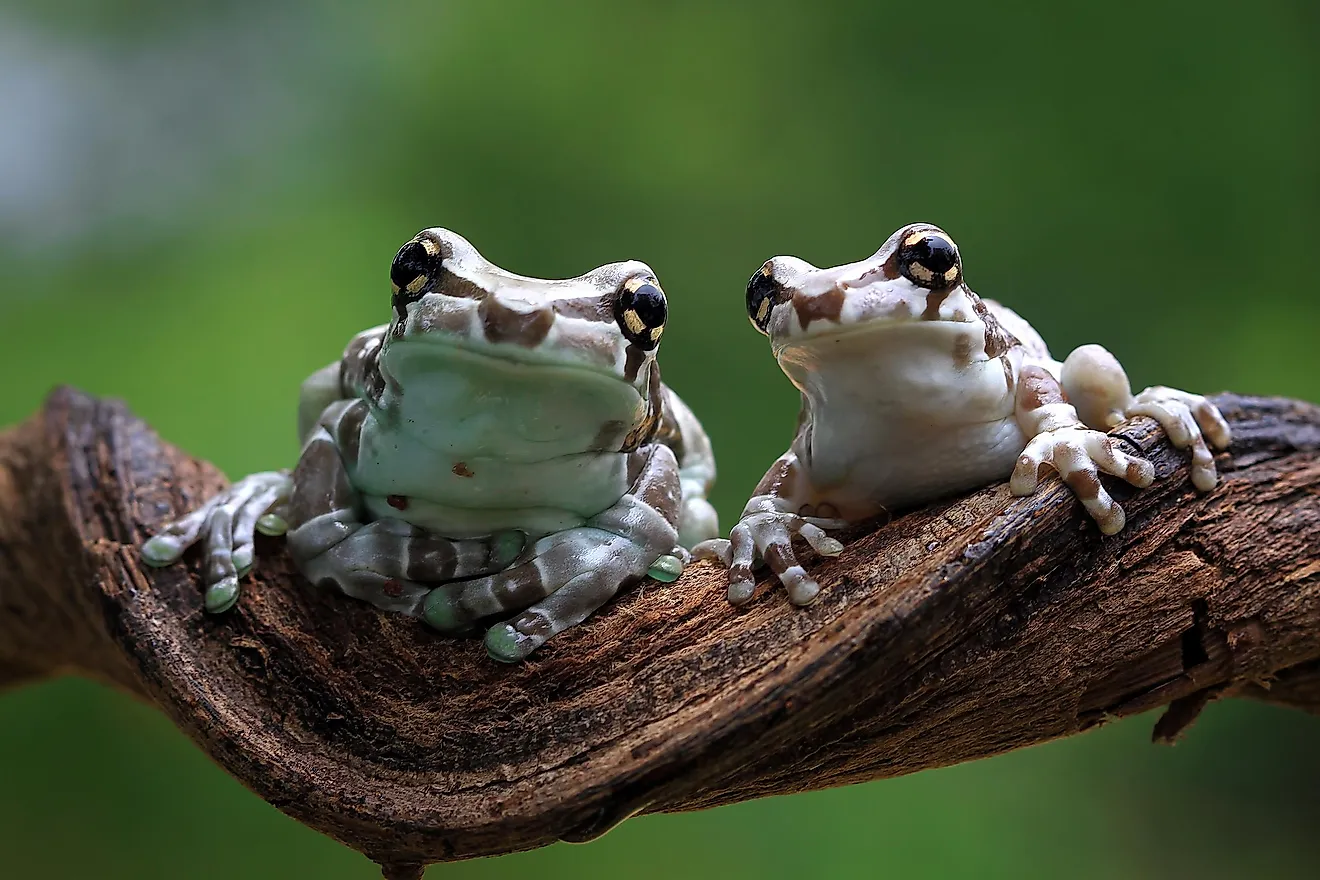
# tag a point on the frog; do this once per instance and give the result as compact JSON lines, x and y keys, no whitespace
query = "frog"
{"x":914,"y":388}
{"x":501,"y":454}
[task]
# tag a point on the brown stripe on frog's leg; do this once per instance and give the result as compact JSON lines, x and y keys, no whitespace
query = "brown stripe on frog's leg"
{"x":572,"y":573}
{"x":1059,"y":439}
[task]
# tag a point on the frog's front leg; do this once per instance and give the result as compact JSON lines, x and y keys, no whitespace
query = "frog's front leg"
{"x":228,"y":523}
{"x":1059,"y":440}
{"x":388,"y":562}
{"x":766,"y":529}
{"x":1097,"y":385}
{"x":572,"y":573}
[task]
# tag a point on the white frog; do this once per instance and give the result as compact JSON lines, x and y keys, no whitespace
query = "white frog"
{"x":503,"y":445}
{"x":914,"y":388}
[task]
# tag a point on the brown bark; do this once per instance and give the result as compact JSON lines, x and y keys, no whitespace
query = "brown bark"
{"x":956,"y":632}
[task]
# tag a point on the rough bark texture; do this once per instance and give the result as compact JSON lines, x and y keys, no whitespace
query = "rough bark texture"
{"x":955,"y":632}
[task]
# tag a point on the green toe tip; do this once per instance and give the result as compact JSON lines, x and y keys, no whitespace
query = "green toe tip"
{"x":666,"y":569}
{"x":159,"y":552}
{"x":440,"y":610}
{"x":272,"y":525}
{"x":222,"y":596}
{"x":506,"y":644}
{"x":243,"y":561}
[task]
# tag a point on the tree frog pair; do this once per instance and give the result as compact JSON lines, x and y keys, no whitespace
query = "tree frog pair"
{"x":505,"y":445}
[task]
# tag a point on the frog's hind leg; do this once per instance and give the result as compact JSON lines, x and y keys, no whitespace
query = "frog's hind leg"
{"x":572,"y":573}
{"x":228,"y":521}
{"x":387,"y":562}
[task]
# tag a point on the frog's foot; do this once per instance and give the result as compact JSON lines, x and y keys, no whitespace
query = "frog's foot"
{"x":390,"y":563}
{"x":572,"y":573}
{"x":229,"y":521}
{"x":1189,"y":420}
{"x":767,"y":531}
{"x":1078,"y":455}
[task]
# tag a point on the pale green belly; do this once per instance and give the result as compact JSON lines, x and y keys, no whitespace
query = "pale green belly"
{"x":460,"y":497}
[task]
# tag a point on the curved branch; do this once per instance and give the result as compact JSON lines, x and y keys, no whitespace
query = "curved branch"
{"x":956,"y":632}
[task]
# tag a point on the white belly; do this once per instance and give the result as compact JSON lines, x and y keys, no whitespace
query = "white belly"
{"x":899,"y":422}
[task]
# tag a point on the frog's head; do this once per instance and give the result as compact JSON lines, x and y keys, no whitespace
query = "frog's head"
{"x":608,"y":321}
{"x":916,"y":276}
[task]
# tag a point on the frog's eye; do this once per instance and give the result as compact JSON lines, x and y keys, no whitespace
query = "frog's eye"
{"x":929,"y":259}
{"x":641,"y":311}
{"x":763,"y":294}
{"x":415,"y":271}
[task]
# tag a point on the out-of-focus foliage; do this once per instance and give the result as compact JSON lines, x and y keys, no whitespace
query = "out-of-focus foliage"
{"x":199,"y":202}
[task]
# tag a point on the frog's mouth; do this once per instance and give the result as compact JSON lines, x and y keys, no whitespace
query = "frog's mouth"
{"x":813,"y":341}
{"x":441,"y":353}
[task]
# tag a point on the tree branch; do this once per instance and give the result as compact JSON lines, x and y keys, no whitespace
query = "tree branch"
{"x":956,"y":632}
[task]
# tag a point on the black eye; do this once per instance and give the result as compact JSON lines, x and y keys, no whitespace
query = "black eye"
{"x":641,"y":311}
{"x":929,"y":259}
{"x":763,"y":294}
{"x":416,"y":270}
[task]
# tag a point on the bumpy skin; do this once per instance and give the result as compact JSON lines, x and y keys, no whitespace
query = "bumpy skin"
{"x":913,"y":388}
{"x":503,"y":445}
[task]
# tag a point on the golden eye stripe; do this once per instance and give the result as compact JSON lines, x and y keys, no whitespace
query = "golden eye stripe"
{"x":634,"y":322}
{"x":417,"y":283}
{"x":655,"y":333}
{"x":922,"y":272}
{"x":632,"y":285}
{"x":432,"y":249}
{"x":914,"y":237}
{"x":763,"y":310}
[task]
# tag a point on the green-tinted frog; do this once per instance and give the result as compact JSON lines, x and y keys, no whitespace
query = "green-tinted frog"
{"x":503,"y":445}
{"x":913,"y":388}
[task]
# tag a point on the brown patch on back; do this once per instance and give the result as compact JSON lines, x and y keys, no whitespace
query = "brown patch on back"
{"x":588,"y":308}
{"x":503,"y":324}
{"x":398,"y":502}
{"x":461,"y":288}
{"x":826,"y":306}
{"x":887,"y":270}
{"x":461,"y":469}
{"x":1038,"y":388}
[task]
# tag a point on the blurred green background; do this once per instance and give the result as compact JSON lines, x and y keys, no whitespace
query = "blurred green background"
{"x":199,"y":203}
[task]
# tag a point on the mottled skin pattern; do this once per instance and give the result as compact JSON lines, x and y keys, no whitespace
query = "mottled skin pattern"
{"x":913,"y":388}
{"x":503,"y":445}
